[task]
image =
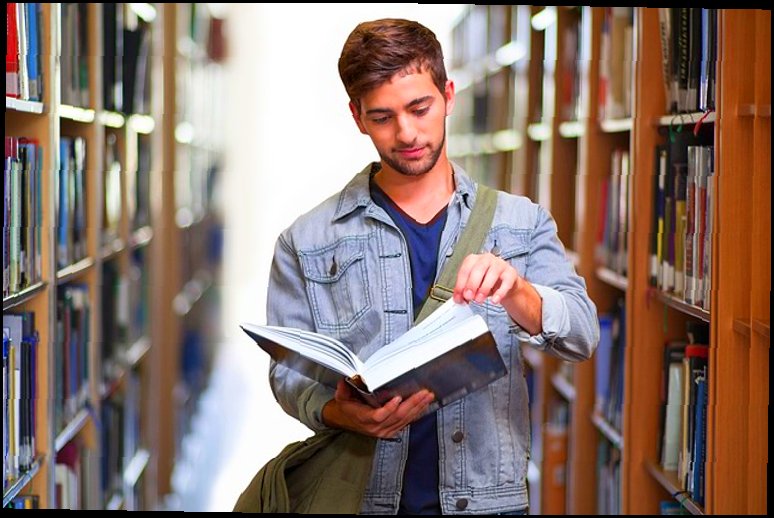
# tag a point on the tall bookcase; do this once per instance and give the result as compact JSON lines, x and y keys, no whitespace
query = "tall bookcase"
{"x":102,"y":254}
{"x":189,"y":222}
{"x":586,"y":111}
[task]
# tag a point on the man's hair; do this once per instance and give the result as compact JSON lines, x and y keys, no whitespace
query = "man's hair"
{"x":375,"y":51}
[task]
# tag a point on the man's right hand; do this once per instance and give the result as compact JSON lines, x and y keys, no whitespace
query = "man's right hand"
{"x":347,"y":412}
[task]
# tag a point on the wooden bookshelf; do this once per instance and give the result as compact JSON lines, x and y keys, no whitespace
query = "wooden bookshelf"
{"x":191,"y":127}
{"x":123,"y":367}
{"x":564,"y":161}
{"x":737,"y":475}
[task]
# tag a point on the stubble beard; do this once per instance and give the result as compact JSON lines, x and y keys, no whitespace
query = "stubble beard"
{"x":418,"y":167}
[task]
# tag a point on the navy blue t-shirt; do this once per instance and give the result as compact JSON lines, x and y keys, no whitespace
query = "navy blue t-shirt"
{"x":420,"y":478}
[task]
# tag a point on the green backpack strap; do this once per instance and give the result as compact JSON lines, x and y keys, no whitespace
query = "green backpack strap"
{"x":469,"y":242}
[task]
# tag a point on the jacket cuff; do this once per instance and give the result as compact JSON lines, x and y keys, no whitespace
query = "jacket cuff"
{"x":311,"y":404}
{"x":555,"y":319}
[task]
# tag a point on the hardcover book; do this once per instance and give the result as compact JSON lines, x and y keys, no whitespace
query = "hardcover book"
{"x":450,"y":353}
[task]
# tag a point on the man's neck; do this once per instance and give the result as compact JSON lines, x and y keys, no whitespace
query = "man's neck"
{"x":421,"y":197}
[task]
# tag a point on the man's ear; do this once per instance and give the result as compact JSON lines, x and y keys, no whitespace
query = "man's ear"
{"x":450,"y":96}
{"x":355,"y":111}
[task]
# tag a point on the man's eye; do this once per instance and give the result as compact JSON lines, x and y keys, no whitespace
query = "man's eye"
{"x":380,"y":120}
{"x":422,"y":111}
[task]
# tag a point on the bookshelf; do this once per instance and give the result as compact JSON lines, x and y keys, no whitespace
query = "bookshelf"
{"x":76,"y":375}
{"x":584,"y":135}
{"x":93,"y":278}
{"x":189,"y":223}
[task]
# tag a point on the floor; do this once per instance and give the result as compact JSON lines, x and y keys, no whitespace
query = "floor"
{"x":237,"y":428}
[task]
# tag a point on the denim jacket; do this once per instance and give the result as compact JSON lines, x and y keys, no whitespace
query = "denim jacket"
{"x":342,"y":270}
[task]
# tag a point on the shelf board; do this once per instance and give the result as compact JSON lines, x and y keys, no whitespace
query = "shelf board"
{"x":142,"y":124}
{"x":616,"y":125}
{"x":539,"y":131}
{"x":563,"y":387}
{"x":72,"y":429}
{"x":682,"y":306}
{"x":475,"y":144}
{"x":679,"y":119}
{"x":191,"y":292}
{"x":137,"y":351}
{"x":28,"y":293}
{"x":479,"y":69}
{"x":23,"y":106}
{"x":112,"y":249}
{"x":612,"y":278}
{"x":76,"y":269}
{"x":136,"y":467}
{"x":111,"y":119}
{"x":741,"y":327}
{"x":141,"y":237}
{"x":761,"y":328}
{"x":754,"y":110}
{"x":116,"y":502}
{"x":77,"y":114}
{"x":20,"y":483}
{"x":110,"y":385}
{"x":145,"y":11}
{"x":506,"y":140}
{"x":745,"y":110}
{"x":610,"y":433}
{"x":115,"y":369}
{"x":572,"y":129}
{"x":668,"y":480}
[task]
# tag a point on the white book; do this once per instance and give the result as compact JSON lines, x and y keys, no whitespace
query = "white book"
{"x":451,"y":353}
{"x":670,"y":450}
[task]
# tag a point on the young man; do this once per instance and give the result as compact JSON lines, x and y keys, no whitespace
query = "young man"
{"x":359,"y":266}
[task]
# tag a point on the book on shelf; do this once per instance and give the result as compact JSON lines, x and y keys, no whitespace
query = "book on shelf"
{"x":450,"y":353}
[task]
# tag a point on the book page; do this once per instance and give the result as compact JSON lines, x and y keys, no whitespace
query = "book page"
{"x":319,"y":348}
{"x":447,"y":327}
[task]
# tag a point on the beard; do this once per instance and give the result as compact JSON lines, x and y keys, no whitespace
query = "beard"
{"x":415,"y":167}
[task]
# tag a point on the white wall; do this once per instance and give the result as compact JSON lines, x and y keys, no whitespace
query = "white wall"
{"x":292,"y":143}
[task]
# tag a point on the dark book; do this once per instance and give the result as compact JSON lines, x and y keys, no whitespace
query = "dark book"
{"x":450,"y":353}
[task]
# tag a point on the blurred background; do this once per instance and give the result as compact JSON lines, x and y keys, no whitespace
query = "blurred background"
{"x":291,"y":142}
{"x":154,"y":152}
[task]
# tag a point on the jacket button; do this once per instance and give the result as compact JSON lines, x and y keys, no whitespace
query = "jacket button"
{"x":458,"y":436}
{"x":462,"y":504}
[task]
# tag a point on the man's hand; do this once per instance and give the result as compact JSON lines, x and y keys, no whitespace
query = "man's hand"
{"x":483,"y":276}
{"x":347,"y":412}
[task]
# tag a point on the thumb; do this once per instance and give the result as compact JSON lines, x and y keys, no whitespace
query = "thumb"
{"x":343,"y":391}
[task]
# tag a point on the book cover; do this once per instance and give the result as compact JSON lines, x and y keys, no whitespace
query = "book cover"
{"x":451,"y":353}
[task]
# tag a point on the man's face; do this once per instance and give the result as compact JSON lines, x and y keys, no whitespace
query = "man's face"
{"x":405,"y":119}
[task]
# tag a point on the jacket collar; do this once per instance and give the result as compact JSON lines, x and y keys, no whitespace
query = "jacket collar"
{"x":357,"y":194}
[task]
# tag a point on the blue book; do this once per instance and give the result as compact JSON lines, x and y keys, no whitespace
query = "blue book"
{"x":33,"y":51}
{"x":699,"y":441}
{"x":602,"y":359}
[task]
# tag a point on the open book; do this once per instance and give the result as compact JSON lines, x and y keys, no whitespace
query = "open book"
{"x":451,"y":353}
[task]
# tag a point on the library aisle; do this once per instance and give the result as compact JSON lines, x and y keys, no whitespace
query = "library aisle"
{"x":238,"y":425}
{"x":230,"y":440}
{"x":154,"y":152}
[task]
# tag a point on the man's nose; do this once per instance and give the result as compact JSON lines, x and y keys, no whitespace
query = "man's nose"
{"x":407,"y":132}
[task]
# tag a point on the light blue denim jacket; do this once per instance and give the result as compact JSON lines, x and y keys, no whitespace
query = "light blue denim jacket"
{"x":342,"y":269}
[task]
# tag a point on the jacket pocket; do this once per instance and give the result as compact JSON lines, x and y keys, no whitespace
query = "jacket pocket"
{"x":510,"y":244}
{"x":336,"y":282}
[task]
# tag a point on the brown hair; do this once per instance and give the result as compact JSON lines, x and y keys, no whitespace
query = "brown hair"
{"x":375,"y":51}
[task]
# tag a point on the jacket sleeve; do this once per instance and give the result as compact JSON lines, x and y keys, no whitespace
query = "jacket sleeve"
{"x":570,"y":324}
{"x":287,"y":305}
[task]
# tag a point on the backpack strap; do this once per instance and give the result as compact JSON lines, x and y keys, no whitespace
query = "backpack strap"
{"x":469,"y":242}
